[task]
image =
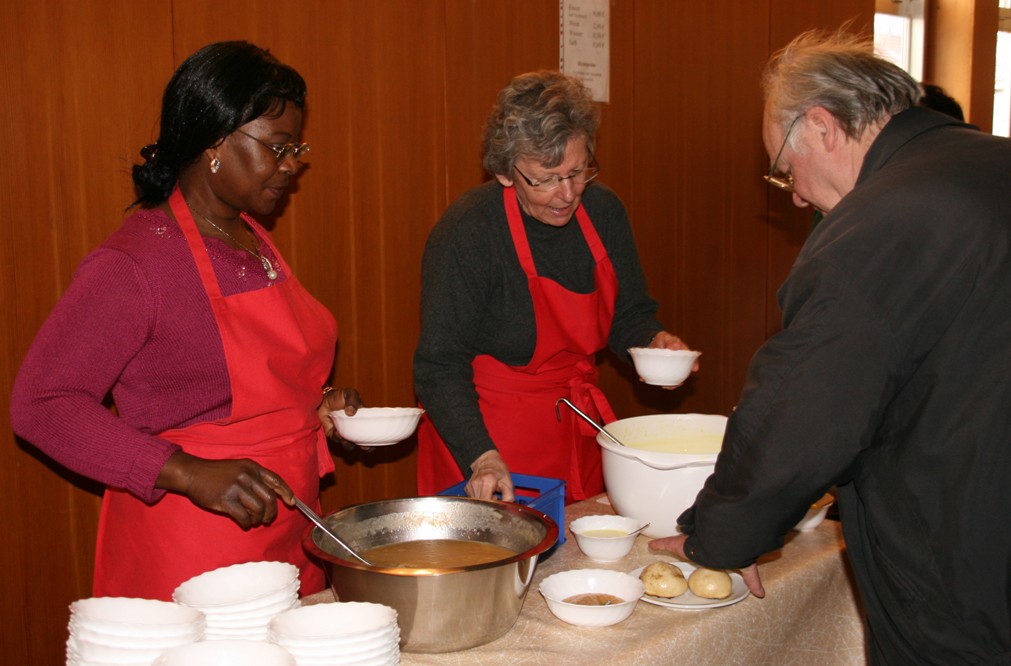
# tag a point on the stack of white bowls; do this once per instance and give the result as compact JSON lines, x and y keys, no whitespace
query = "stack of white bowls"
{"x":342,"y":633}
{"x":118,"y":630}
{"x":239,"y":600}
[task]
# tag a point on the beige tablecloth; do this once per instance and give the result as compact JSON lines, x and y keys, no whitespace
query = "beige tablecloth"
{"x":810,"y":615}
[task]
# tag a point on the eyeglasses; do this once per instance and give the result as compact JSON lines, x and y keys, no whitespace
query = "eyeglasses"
{"x":783,"y":181}
{"x":282,"y":151}
{"x":554,"y":181}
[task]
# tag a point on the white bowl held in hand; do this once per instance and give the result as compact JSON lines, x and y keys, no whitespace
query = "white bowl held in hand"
{"x":605,"y":538}
{"x":377,"y":426}
{"x":572,"y":584}
{"x":663,"y":367}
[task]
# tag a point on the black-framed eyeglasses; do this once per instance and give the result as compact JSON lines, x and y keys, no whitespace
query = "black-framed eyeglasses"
{"x":783,"y":181}
{"x":554,"y":181}
{"x":282,"y":151}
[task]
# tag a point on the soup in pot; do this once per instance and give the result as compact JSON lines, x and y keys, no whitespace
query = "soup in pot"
{"x":436,"y":554}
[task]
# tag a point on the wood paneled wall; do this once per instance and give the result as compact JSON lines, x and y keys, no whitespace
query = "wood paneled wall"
{"x":399,"y":90}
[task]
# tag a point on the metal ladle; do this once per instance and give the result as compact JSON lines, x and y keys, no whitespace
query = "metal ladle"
{"x":596,"y":425}
{"x":311,"y":515}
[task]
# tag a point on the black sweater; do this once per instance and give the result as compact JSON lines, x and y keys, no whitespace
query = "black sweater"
{"x":475,"y":300}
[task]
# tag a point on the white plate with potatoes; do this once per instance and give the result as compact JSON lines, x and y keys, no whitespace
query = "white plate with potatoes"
{"x":690,"y":601}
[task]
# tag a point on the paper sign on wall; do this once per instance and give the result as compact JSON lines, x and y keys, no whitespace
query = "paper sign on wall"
{"x":585,"y":39}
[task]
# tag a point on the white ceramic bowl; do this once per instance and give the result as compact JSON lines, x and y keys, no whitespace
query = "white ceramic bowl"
{"x":663,"y":367}
{"x":90,"y":651}
{"x":565,"y":584}
{"x":226,"y":653}
{"x":129,"y":617}
{"x":347,"y":619}
{"x":241,"y":587}
{"x":605,"y":538}
{"x":815,"y":515}
{"x":377,"y":426}
{"x":662,"y":467}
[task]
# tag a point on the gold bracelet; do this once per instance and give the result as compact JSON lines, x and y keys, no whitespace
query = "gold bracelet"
{"x":327,"y":389}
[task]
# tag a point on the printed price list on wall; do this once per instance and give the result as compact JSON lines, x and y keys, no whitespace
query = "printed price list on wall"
{"x":584,"y":43}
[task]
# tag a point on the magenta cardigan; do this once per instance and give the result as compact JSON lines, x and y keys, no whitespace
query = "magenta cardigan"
{"x":136,"y":324}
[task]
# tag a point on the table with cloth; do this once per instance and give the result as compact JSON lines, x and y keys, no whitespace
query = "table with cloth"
{"x":810,"y":614}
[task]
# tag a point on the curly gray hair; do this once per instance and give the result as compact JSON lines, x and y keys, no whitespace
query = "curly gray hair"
{"x":535,"y":117}
{"x":839,"y":72}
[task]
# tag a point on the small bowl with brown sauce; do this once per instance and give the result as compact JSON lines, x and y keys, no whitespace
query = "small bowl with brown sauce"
{"x":591,"y":597}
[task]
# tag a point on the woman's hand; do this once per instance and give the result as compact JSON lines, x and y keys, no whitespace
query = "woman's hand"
{"x":665,"y":340}
{"x":334,"y":400}
{"x":676,"y":545}
{"x":490,"y":475}
{"x":241,"y":489}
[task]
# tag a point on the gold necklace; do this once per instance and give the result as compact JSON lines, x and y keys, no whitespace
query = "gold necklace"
{"x":271,"y":273}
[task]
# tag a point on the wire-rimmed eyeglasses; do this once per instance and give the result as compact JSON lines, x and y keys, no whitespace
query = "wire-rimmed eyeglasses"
{"x":783,"y":181}
{"x":282,"y":151}
{"x":554,"y":181}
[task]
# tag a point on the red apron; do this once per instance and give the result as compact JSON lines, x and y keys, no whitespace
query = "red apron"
{"x":518,"y":403}
{"x":279,"y":344}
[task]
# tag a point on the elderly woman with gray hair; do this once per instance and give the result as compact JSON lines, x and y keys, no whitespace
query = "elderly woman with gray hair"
{"x":525,"y":278}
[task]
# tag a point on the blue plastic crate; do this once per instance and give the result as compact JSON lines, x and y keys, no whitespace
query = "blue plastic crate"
{"x":538,"y":492}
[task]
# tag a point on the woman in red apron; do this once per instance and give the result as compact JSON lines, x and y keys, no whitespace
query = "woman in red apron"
{"x":215,"y":355}
{"x":273,"y":339}
{"x":488,"y":414}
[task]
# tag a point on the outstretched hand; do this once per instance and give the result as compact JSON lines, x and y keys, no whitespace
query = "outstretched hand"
{"x":676,"y":545}
{"x":241,"y":489}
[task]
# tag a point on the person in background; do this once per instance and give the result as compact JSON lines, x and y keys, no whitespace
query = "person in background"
{"x":934,"y":97}
{"x":524,"y":280}
{"x":214,"y":354}
{"x":890,"y":377}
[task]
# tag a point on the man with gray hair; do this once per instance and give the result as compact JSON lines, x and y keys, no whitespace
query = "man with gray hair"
{"x":891,"y":378}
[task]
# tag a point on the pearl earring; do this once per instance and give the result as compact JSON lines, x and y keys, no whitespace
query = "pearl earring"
{"x":215,"y":165}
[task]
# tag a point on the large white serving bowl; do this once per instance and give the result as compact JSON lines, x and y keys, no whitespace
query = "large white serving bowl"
{"x":377,"y":426}
{"x":663,"y":367}
{"x":565,"y":584}
{"x":665,"y":460}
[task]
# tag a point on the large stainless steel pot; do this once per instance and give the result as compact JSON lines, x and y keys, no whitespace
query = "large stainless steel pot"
{"x":439,"y":610}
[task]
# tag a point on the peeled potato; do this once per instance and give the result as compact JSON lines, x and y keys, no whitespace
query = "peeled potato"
{"x":710,"y":583}
{"x":663,"y":579}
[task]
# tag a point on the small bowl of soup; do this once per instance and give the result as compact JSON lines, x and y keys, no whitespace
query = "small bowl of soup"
{"x":591,"y":597}
{"x":606,"y":538}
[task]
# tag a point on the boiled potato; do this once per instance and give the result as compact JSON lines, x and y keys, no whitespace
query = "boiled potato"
{"x":710,"y":583}
{"x":663,"y":579}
